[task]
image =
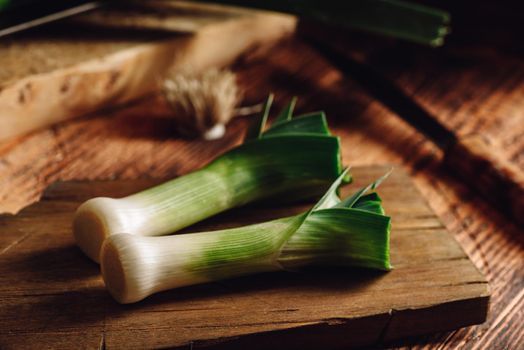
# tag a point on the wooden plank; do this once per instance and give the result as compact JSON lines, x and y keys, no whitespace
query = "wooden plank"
{"x":49,"y":290}
{"x":111,"y":56}
{"x":482,"y":82}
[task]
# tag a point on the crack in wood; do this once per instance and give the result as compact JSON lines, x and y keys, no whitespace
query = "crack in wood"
{"x":183,"y":309}
{"x":102,"y":344}
{"x":15,"y":243}
{"x":382,"y":335}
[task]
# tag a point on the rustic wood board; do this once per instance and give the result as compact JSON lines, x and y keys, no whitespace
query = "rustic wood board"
{"x":51,"y":296}
{"x":111,"y":56}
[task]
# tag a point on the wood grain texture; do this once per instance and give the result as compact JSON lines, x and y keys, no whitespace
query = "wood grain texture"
{"x":44,"y":278}
{"x":474,"y":85}
{"x":109,"y":57}
{"x":497,"y":178}
{"x":473,"y":158}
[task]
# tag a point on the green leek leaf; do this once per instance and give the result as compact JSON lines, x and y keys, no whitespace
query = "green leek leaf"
{"x":312,"y":123}
{"x":351,"y":200}
{"x":256,"y":129}
{"x":287,"y":112}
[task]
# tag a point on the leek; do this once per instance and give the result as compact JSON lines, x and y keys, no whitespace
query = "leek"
{"x":395,"y":18}
{"x":295,"y":159}
{"x":349,"y":233}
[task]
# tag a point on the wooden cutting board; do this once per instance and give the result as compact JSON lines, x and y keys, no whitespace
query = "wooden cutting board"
{"x":118,"y":53}
{"x":51,"y":296}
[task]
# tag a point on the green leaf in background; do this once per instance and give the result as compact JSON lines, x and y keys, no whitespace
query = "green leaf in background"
{"x":4,"y":4}
{"x":395,"y":18}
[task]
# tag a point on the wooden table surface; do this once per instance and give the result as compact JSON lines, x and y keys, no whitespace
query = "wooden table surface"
{"x":471,"y":85}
